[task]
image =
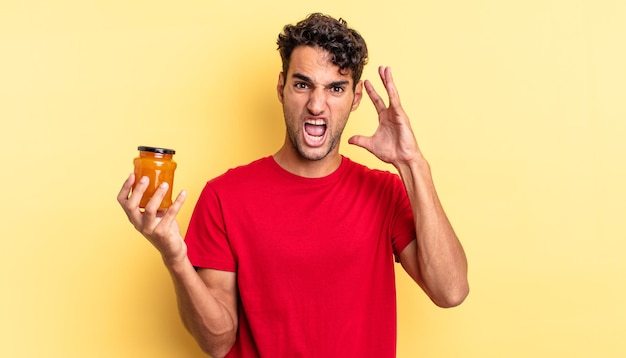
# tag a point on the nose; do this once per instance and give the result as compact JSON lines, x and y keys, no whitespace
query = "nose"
{"x":317,"y":101}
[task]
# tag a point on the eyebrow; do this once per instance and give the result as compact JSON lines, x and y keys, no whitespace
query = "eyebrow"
{"x":332,"y":84}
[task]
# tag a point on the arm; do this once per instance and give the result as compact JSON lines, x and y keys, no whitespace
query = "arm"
{"x":436,"y":260}
{"x":207,"y":299}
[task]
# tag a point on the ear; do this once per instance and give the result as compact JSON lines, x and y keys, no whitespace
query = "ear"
{"x":280,"y":86}
{"x":358,"y":95}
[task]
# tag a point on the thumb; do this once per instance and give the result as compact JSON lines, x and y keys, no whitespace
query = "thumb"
{"x":361,"y":141}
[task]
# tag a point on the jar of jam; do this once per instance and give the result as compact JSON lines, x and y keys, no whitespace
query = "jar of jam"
{"x":158,"y":166}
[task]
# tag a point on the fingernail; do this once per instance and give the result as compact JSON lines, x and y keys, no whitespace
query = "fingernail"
{"x":144,"y":179}
{"x":164,"y":185}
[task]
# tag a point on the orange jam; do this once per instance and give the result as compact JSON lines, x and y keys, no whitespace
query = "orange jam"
{"x":158,"y":166}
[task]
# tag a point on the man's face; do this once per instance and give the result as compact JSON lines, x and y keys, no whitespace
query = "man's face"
{"x":317,"y":101}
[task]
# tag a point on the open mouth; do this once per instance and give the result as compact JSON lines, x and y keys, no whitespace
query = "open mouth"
{"x":314,"y":132}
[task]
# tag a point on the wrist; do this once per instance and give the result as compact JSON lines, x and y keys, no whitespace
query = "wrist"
{"x":415,"y":164}
{"x":176,"y":263}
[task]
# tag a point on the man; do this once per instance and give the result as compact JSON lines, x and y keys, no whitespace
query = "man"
{"x":293,"y":254}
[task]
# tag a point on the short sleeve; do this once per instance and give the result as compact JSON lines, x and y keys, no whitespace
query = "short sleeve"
{"x":403,"y":226}
{"x":207,"y":240}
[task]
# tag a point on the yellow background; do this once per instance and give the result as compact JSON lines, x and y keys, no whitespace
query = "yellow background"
{"x":518,"y":105}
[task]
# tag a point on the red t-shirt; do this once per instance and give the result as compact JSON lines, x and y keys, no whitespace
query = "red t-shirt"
{"x":314,"y":257}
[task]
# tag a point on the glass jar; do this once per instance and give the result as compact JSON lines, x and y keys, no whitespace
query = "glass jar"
{"x":156,"y":164}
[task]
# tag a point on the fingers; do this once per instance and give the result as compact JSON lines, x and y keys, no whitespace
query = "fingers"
{"x":390,"y":86}
{"x":385,"y":72}
{"x":129,"y":198}
{"x":378,"y":102}
{"x":387,"y":78}
{"x":151,"y":211}
{"x":157,"y":197}
{"x":159,"y":226}
{"x":170,"y":214}
{"x":392,"y":90}
{"x":152,"y":207}
{"x":122,"y":197}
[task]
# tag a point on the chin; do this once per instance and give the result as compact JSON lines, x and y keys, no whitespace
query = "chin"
{"x":313,"y":154}
{"x":309,"y":153}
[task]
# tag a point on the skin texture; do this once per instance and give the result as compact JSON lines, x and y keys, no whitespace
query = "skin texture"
{"x":440,"y":264}
{"x":313,"y":93}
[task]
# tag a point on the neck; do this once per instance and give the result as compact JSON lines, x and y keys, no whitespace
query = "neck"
{"x":288,"y":159}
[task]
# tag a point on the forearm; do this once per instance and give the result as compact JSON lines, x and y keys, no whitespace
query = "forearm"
{"x":441,"y":262}
{"x":207,"y":304}
{"x":204,"y":314}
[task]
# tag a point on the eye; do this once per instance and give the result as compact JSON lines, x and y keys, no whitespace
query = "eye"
{"x":301,"y":85}
{"x":337,"y":89}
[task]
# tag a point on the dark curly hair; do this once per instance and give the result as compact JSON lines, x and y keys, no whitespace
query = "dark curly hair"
{"x":346,"y":46}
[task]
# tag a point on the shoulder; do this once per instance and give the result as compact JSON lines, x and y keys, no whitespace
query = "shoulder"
{"x":236,"y":181}
{"x":377,"y":184}
{"x":244,"y":180}
{"x":363,"y":172}
{"x":244,"y":172}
